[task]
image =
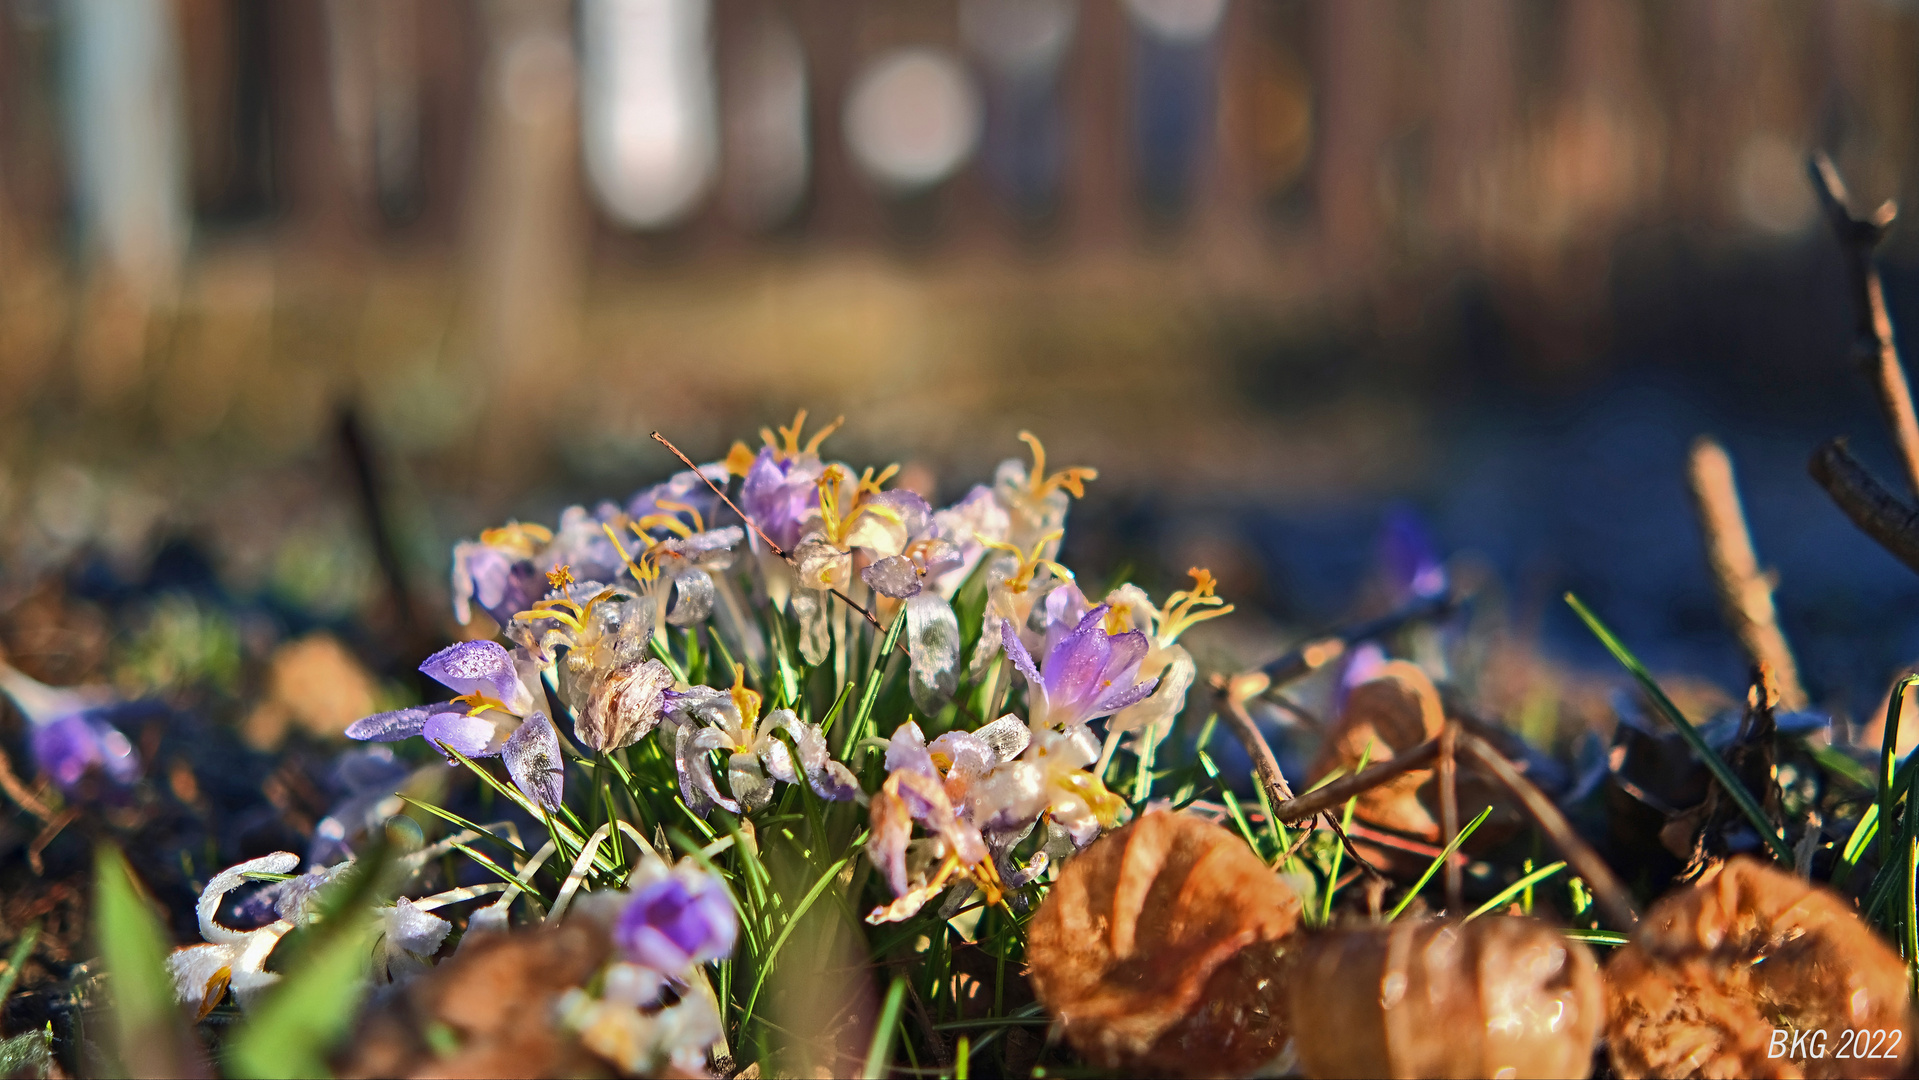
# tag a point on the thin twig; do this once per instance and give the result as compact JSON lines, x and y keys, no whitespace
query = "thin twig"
{"x":19,"y":793}
{"x":1449,"y":813}
{"x":1878,"y":513}
{"x":1319,"y":800}
{"x":761,"y":533}
{"x":1745,"y":591}
{"x":1873,"y":343}
{"x":1608,"y":893}
{"x":1264,"y":763}
{"x":1323,"y":650}
{"x":1352,"y":852}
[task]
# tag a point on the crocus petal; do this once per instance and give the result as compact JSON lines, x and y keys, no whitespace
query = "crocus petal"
{"x":1114,"y":700}
{"x":472,"y":736}
{"x":1075,"y":665}
{"x":892,"y":830}
{"x":676,"y":921}
{"x":474,"y":667}
{"x":625,"y":705}
{"x":932,"y":646}
{"x":895,"y":576}
{"x":411,"y":929}
{"x":1023,"y":660}
{"x":748,"y":784}
{"x":394,"y":726}
{"x":696,"y":778}
{"x":833,"y":781}
{"x":224,"y":882}
{"x":779,"y":763}
{"x":907,"y":750}
{"x":533,"y":761}
{"x":692,"y":598}
{"x":809,"y":607}
{"x":1007,"y":736}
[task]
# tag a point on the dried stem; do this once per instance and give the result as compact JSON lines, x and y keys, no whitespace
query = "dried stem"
{"x":1873,"y":343}
{"x":1264,"y":763}
{"x":19,"y":792}
{"x":1607,"y":891}
{"x":1449,"y":813}
{"x":1325,"y":798}
{"x":1878,"y":513}
{"x":1745,"y":591}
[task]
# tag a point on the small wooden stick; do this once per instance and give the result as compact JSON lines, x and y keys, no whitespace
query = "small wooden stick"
{"x":1332,"y":795}
{"x":1264,"y":763}
{"x":19,"y":793}
{"x":1611,"y":896}
{"x":1872,"y":336}
{"x":1745,"y":592}
{"x":1449,"y":813}
{"x":1878,"y":513}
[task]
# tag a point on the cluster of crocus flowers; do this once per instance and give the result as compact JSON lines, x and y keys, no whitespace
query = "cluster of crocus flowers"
{"x":842,"y":552}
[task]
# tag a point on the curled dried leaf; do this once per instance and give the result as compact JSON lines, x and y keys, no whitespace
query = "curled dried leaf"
{"x":1387,"y":716}
{"x":493,"y":1007}
{"x":1492,"y":997}
{"x":1715,"y":969}
{"x":1156,"y":950}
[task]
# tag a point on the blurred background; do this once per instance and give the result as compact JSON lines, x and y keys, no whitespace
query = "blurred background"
{"x":295,"y":294}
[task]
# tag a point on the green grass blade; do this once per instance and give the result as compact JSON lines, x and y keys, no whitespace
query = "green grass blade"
{"x":1720,"y":770}
{"x":1232,"y":803}
{"x":1517,"y":887}
{"x":452,"y":818}
{"x":290,"y":1033}
{"x":793,"y":920}
{"x":1345,"y":822}
{"x":1862,"y":835}
{"x":1596,"y":937}
{"x":21,"y":950}
{"x":1433,"y":868}
{"x":1833,"y":761}
{"x":1888,"y":753}
{"x":876,"y":675}
{"x":879,"y":1056}
{"x":149,"y":1030}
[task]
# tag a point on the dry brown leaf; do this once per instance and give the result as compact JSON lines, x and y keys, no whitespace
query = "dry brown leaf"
{"x":1715,"y":969}
{"x":1155,"y":950}
{"x":1492,"y":997}
{"x":314,"y":684}
{"x":496,"y":1000}
{"x":1386,"y":716}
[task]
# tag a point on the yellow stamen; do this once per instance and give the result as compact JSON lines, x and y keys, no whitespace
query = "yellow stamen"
{"x":790,"y":437}
{"x":560,"y":578}
{"x":1029,"y":564}
{"x":1041,"y":485}
{"x":1184,"y":608}
{"x":664,"y":521}
{"x":739,"y":460}
{"x":747,"y":701}
{"x":699,"y":523}
{"x":517,"y":538}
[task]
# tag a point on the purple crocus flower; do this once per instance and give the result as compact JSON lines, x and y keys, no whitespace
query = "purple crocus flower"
{"x":495,"y":715}
{"x":69,"y":734}
{"x":681,"y":919}
{"x":1089,"y":673}
{"x":69,"y":746}
{"x":780,"y":494}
